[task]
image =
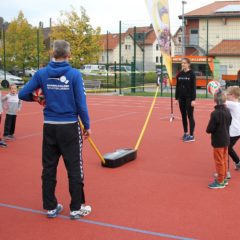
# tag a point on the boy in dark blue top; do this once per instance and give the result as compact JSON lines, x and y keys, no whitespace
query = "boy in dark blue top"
{"x":65,"y":99}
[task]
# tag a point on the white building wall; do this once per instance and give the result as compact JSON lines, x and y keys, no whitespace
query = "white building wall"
{"x":103,"y":57}
{"x":232,"y":64}
{"x":218,"y":29}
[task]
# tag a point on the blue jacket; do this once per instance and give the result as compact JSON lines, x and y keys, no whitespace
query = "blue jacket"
{"x":64,"y":93}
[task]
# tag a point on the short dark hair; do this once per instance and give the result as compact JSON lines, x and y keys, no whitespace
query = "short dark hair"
{"x":61,"y":49}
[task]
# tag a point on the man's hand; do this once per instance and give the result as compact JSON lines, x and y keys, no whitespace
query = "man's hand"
{"x":176,"y":102}
{"x":87,"y":133}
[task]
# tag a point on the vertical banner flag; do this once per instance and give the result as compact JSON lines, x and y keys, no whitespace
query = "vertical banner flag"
{"x":159,"y":13}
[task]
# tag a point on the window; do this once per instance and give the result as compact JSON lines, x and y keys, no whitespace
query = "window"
{"x":194,"y":31}
{"x":179,"y":39}
{"x":102,"y":58}
{"x":157,"y":47}
{"x":157,"y":59}
{"x":127,"y":47}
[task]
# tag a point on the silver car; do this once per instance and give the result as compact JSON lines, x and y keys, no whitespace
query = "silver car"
{"x":10,"y":79}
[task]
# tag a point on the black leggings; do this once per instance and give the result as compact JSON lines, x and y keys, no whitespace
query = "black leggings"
{"x":231,"y":151}
{"x":10,"y":123}
{"x":187,"y":112}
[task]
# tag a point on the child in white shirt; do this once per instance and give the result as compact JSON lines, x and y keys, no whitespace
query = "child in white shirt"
{"x":2,"y":143}
{"x":12,"y":104}
{"x":233,"y":104}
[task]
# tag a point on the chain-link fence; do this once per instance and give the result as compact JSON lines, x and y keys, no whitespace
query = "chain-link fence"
{"x":130,"y":61}
{"x":213,"y":45}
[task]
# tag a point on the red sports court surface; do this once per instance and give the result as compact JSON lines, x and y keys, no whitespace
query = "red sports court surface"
{"x":161,"y":195}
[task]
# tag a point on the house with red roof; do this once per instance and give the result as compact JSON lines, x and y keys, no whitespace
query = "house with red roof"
{"x":213,"y":30}
{"x":147,"y":48}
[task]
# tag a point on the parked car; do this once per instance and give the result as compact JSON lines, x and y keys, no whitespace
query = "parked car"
{"x":18,"y":73}
{"x":94,"y":70}
{"x":126,"y":70}
{"x":10,"y":79}
{"x":29,"y":72}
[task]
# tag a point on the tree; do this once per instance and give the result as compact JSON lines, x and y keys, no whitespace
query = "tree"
{"x":84,"y":39}
{"x":21,"y":44}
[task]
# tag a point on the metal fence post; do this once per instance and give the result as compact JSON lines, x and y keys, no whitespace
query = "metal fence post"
{"x":115,"y":76}
{"x":120,"y":57}
{"x":207,"y":58}
{"x":107,"y":61}
{"x":4,"y":52}
{"x":134,"y":61}
{"x":143,"y":66}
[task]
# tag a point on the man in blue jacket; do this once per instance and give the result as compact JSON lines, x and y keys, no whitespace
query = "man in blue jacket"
{"x":65,"y":98}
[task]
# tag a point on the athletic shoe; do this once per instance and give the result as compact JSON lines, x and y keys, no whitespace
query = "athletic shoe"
{"x":3,"y":144}
{"x":11,"y":137}
{"x":189,"y":138}
{"x":228,"y":177}
{"x":225,"y":182}
{"x":237,"y":166}
{"x":217,"y":185}
{"x":184,"y":136}
{"x":84,"y":211}
{"x":53,"y":213}
{"x":7,"y":138}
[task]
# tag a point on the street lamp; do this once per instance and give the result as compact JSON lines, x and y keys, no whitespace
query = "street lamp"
{"x":183,"y":29}
{"x":40,"y":25}
{"x":4,"y":27}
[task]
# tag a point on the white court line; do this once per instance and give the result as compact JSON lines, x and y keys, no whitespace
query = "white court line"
{"x":95,"y":121}
{"x":30,"y":135}
{"x":114,"y":117}
{"x":31,"y":113}
{"x":143,"y":107}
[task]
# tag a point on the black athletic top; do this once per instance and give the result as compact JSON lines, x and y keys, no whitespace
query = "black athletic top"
{"x":186,"y":85}
{"x":218,"y":126}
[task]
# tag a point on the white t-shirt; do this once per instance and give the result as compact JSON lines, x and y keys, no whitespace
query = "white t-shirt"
{"x":1,"y":109}
{"x":234,"y":108}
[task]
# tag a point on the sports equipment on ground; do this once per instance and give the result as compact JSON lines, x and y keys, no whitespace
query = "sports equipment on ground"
{"x":119,"y":157}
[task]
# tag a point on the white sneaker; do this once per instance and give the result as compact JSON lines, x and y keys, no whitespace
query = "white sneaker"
{"x":237,"y":166}
{"x":53,"y":213}
{"x":215,"y":175}
{"x":228,"y":175}
{"x":84,"y":211}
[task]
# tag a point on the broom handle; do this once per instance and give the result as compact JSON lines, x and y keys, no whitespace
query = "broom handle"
{"x":147,"y":120}
{"x":94,"y":146}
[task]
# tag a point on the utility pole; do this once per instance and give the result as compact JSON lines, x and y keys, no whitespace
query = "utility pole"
{"x":183,"y":29}
{"x":50,"y":40}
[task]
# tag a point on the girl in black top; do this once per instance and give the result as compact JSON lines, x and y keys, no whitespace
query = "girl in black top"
{"x":186,"y":95}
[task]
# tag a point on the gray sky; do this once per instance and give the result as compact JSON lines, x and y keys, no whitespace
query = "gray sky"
{"x":103,"y":13}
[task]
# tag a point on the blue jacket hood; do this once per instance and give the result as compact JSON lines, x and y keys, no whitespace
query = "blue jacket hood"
{"x":57,"y":69}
